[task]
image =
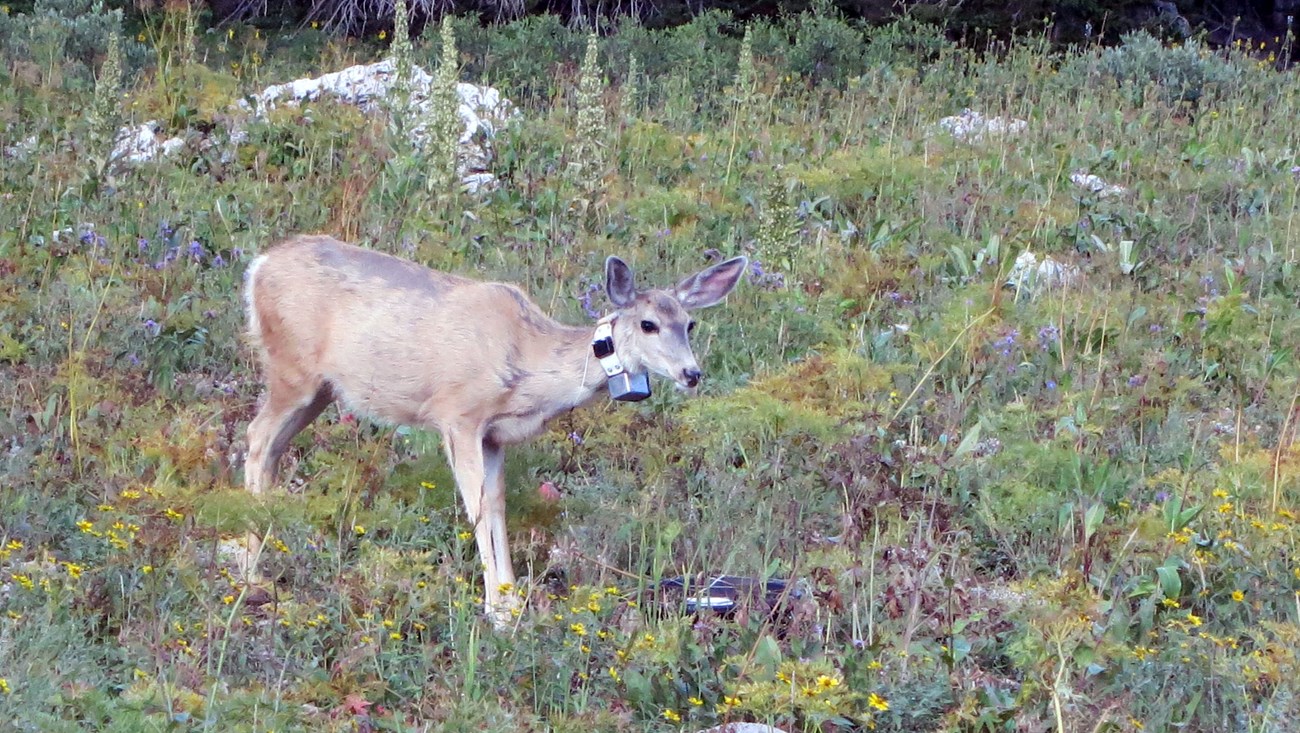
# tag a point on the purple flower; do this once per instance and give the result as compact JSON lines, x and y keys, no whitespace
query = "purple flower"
{"x":1048,"y":335}
{"x":1007,"y":342}
{"x":1137,"y":380}
{"x":152,"y":327}
{"x":142,"y":244}
{"x":1051,"y":385}
{"x":195,"y":250}
{"x":575,"y":438}
{"x":237,"y":253}
{"x":1162,"y":496}
{"x":217,"y":261}
{"x":585,"y":301}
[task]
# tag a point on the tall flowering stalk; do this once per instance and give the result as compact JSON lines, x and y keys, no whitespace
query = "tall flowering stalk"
{"x":630,"y":103}
{"x":400,"y":53}
{"x":777,"y":225}
{"x":443,"y":123}
{"x":743,"y":94}
{"x":105,"y":107}
{"x":587,"y":162}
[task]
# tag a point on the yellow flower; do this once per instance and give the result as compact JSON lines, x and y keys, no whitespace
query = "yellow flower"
{"x":878,"y":702}
{"x":1238,"y":596}
{"x":428,"y":485}
{"x":695,"y":701}
{"x":366,"y":639}
{"x":875,"y":664}
{"x":395,"y":635}
{"x":4,"y":686}
{"x":1219,"y":494}
{"x":14,"y":545}
{"x":146,"y":569}
{"x":1193,"y":619}
{"x":173,"y":515}
{"x":1169,"y":603}
{"x":1225,"y":507}
{"x":360,"y":530}
{"x":74,"y":570}
{"x":465,"y":535}
{"x":228,"y":599}
{"x":672,"y":716}
{"x":827,"y":681}
{"x":613,"y":674}
{"x":730,"y":701}
{"x":578,"y":629}
{"x":383,"y":35}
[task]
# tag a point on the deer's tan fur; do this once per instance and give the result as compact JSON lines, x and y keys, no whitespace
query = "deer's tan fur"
{"x":477,"y":361}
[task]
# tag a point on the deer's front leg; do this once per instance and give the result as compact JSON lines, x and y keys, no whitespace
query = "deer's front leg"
{"x":493,"y":527}
{"x":477,"y":464}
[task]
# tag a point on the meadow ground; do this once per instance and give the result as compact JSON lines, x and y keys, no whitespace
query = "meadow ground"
{"x":1068,"y":508}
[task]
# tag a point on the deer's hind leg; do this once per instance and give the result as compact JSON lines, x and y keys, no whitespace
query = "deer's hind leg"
{"x":287,"y":411}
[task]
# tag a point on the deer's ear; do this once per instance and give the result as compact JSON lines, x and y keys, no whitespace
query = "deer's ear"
{"x":619,"y":283}
{"x":710,"y":286}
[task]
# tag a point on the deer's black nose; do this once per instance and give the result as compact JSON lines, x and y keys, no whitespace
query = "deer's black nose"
{"x":692,"y":377}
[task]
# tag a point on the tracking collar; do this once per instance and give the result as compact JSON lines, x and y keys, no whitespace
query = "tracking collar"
{"x":623,"y":386}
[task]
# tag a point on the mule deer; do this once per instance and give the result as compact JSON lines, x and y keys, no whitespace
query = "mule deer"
{"x":477,"y":361}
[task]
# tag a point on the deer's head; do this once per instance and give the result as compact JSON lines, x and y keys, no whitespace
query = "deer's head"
{"x":652,"y":328}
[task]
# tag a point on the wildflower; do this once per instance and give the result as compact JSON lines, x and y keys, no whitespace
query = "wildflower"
{"x":1219,"y":494}
{"x":173,"y":515}
{"x":695,"y":701}
{"x":395,"y":635}
{"x":613,"y":674}
{"x":130,"y":494}
{"x":86,"y":526}
{"x":74,"y":570}
{"x":464,"y":535}
{"x":228,"y":599}
{"x":14,"y":545}
{"x":146,"y":569}
{"x":428,"y":485}
{"x":878,"y":702}
{"x":827,"y":681}
{"x":1193,"y":619}
{"x":578,"y":628}
{"x":593,"y":606}
{"x":4,"y":686}
{"x":1169,"y":603}
{"x":730,"y":701}
{"x":672,"y":716}
{"x":365,"y":639}
{"x":383,"y":35}
{"x":23,"y":580}
{"x":360,"y":530}
{"x":1225,"y":507}
{"x":875,"y":664}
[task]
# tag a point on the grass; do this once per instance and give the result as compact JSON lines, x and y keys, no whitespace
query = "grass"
{"x":1070,"y":511}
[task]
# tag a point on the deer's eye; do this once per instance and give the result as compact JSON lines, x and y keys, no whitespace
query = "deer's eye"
{"x":649,"y":327}
{"x":690,"y":327}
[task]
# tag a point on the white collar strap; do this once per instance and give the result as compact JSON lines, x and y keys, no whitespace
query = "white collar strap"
{"x":602,"y":345}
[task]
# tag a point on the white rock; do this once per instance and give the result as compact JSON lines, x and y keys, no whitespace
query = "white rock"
{"x":1033,"y":276}
{"x":974,"y":127}
{"x":1096,"y":184}
{"x":22,"y":148}
{"x":482,"y":110}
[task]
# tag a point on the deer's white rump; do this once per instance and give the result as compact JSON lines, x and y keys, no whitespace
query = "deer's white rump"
{"x":477,"y":361}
